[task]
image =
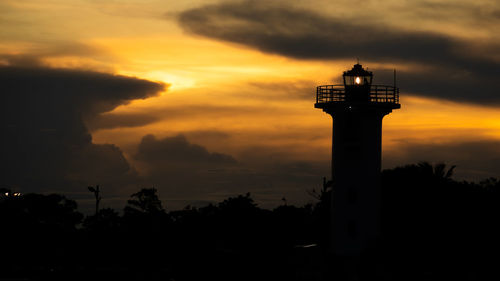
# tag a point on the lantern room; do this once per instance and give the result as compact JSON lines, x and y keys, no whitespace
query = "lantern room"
{"x":357,"y":77}
{"x":358,"y":89}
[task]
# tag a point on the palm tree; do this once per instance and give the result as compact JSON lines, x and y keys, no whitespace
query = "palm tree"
{"x":437,"y":171}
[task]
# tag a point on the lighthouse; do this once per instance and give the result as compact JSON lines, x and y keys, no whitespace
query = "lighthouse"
{"x":357,"y":108}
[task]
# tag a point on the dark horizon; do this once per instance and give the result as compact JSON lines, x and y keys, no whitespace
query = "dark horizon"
{"x":205,"y":101}
{"x":433,"y":227}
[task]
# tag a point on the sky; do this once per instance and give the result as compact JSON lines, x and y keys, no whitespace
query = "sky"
{"x":209,"y":99}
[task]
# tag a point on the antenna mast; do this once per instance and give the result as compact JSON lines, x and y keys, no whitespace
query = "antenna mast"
{"x":394,"y":78}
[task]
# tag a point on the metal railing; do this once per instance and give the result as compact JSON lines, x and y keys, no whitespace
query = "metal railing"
{"x":337,"y":93}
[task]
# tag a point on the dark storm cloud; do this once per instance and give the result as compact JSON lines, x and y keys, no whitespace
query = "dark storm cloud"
{"x":452,"y":64}
{"x":178,"y":150}
{"x":496,"y":14}
{"x":453,"y":84}
{"x":182,"y":171}
{"x":85,"y":92}
{"x":477,"y":13}
{"x":185,"y":172}
{"x":120,"y":120}
{"x":475,"y":160}
{"x":307,"y":35}
{"x":45,"y":145}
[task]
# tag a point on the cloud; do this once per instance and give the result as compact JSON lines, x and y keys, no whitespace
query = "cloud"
{"x":39,"y":54}
{"x":452,"y":69}
{"x":182,"y":171}
{"x":306,"y":35}
{"x":45,"y":145}
{"x":472,"y":12}
{"x":178,"y":150}
{"x":208,"y":134}
{"x":67,"y":90}
{"x":185,"y":173}
{"x":111,"y":120}
{"x":302,"y":89}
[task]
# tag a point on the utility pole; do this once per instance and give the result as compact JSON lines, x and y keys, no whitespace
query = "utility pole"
{"x":97,"y":195}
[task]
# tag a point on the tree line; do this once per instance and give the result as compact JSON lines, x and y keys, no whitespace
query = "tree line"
{"x":434,"y":227}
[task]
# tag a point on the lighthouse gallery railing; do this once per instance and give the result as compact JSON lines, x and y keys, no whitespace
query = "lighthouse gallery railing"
{"x":336,"y":93}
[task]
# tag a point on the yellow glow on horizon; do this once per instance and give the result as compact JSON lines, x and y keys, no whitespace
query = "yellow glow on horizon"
{"x":434,"y":121}
{"x":202,"y":62}
{"x":176,"y":82}
{"x":296,"y":126}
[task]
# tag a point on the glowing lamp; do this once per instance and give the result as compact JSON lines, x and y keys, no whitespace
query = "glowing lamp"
{"x":357,"y":77}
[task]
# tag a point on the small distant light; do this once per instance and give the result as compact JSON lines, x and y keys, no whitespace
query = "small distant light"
{"x":6,"y":194}
{"x":306,"y":246}
{"x":17,"y":194}
{"x":357,"y":80}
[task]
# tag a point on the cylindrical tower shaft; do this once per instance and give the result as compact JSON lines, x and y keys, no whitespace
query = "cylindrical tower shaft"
{"x":356,"y":160}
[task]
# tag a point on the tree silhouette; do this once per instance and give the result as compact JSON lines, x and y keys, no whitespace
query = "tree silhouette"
{"x":106,"y":220}
{"x":145,"y":201}
{"x":438,"y":170}
{"x":37,"y":230}
{"x":491,"y":184}
{"x":240,"y":204}
{"x":434,"y":228}
{"x":147,"y":227}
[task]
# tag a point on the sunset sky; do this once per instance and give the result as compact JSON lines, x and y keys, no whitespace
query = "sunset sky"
{"x":209,"y":99}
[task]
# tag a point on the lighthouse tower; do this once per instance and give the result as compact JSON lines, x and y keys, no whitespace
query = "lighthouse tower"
{"x":357,"y":108}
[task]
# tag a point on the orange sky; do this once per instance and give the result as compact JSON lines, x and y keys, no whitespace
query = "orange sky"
{"x":229,"y":97}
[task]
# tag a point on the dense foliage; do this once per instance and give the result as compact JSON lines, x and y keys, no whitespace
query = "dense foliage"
{"x":433,"y":228}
